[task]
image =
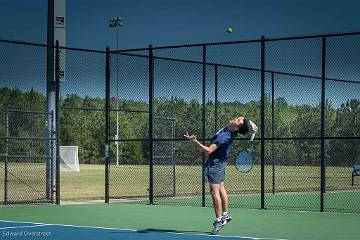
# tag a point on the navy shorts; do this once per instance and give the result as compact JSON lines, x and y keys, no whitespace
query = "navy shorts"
{"x":215,"y":171}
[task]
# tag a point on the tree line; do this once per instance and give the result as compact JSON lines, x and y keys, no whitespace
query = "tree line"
{"x":82,"y":124}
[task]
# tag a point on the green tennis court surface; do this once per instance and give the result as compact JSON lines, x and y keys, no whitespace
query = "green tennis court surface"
{"x":133,"y":221}
{"x":336,"y":200}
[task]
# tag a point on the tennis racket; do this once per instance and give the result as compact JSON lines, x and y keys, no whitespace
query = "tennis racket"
{"x":245,"y":159}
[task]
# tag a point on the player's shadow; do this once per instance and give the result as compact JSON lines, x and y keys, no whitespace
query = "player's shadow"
{"x":149,"y":230}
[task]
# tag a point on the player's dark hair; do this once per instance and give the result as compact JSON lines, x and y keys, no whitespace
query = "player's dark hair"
{"x":244,"y":128}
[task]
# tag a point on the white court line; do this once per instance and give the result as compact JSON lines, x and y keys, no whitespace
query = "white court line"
{"x":15,"y":227}
{"x":134,"y":230}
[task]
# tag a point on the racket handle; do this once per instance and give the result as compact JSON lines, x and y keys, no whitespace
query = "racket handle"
{"x":252,"y":137}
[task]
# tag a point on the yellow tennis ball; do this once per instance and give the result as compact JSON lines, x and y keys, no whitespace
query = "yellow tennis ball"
{"x":229,"y":30}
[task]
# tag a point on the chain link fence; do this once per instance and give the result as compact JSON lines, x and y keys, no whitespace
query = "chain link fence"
{"x":28,"y":163}
{"x":82,"y":123}
{"x":2,"y":157}
{"x":302,"y":92}
{"x":26,"y":127}
{"x":129,"y":127}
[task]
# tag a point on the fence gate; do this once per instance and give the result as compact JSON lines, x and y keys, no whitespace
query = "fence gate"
{"x":29,"y":144}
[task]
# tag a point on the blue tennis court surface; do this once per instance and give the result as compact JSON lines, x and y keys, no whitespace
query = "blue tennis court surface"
{"x":35,"y":231}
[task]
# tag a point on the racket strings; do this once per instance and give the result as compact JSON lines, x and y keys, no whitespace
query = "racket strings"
{"x":244,"y":161}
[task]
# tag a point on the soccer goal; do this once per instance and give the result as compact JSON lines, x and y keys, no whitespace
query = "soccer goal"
{"x":69,"y":159}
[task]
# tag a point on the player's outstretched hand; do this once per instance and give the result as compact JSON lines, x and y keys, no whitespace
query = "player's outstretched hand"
{"x":191,"y":137}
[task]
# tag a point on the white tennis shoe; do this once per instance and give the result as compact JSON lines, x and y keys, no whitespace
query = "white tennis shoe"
{"x":217,"y":227}
{"x":225,"y":219}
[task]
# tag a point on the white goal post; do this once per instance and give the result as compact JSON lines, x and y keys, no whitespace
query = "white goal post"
{"x":69,"y":159}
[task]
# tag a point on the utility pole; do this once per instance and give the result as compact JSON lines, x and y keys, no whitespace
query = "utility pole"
{"x":116,"y":22}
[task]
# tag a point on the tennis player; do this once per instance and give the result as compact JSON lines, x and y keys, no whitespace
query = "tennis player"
{"x":218,"y":154}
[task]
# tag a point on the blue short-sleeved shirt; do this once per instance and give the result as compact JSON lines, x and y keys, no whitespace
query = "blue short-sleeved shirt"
{"x":214,"y":169}
{"x":223,"y":139}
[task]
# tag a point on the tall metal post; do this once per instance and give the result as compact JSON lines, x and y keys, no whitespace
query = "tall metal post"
{"x":107,"y":123}
{"x":56,"y":31}
{"x":273,"y":131}
{"x":52,"y":156}
{"x":50,"y":94}
{"x":57,"y":116}
{"x":322,"y":127}
{"x":117,"y":143}
{"x":151,"y":118}
{"x":203,"y":120}
{"x":116,"y":22}
{"x":173,"y":153}
{"x":6,"y":180}
{"x":262,"y":126}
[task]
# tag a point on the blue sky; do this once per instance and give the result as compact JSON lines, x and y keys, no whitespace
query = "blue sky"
{"x":178,"y":22}
{"x":172,"y":22}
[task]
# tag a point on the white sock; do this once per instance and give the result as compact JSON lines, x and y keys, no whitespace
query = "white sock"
{"x":225,"y":213}
{"x":218,"y":219}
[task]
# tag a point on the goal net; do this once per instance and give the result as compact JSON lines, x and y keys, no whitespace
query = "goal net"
{"x":69,"y":159}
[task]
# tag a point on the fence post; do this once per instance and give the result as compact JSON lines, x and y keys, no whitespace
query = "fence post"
{"x":262,"y":126}
{"x":52,"y":145}
{"x":273,"y":130}
{"x":57,"y":117}
{"x":322,"y":127}
{"x":107,"y":122}
{"x":203,"y":121}
{"x":6,"y":190}
{"x":216,"y":97}
{"x":151,"y":132}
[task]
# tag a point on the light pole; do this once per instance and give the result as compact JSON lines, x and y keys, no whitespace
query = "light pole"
{"x":116,"y":22}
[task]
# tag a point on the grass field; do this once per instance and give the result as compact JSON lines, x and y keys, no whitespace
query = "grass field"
{"x":132,"y":181}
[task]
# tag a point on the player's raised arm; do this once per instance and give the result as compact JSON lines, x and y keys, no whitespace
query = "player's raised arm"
{"x":206,"y":149}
